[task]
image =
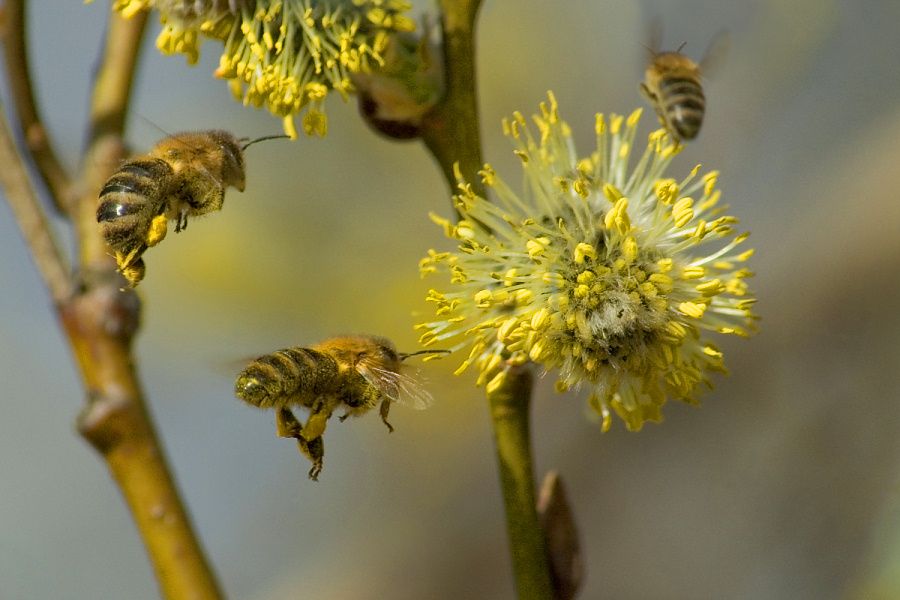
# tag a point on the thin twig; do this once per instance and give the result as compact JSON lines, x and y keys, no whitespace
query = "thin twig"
{"x":101,"y":323}
{"x":450,"y":130}
{"x":24,"y":202}
{"x":510,"y":405}
{"x":37,"y":140}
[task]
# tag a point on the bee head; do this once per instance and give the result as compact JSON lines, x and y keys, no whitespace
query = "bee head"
{"x":232,"y":159}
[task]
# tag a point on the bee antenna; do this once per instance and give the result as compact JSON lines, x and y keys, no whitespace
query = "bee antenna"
{"x":681,"y":47}
{"x":649,"y":50}
{"x":405,"y":355}
{"x":262,"y":139}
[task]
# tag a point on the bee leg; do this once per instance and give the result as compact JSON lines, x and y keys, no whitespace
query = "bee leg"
{"x":123,"y":260}
{"x":315,"y":425}
{"x":181,"y":223}
{"x":286,"y":424}
{"x":384,"y":409}
{"x":134,"y":272}
{"x":315,"y":452}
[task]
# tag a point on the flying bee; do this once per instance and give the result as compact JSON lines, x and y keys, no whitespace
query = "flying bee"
{"x":352,"y":373}
{"x":184,"y":175}
{"x":672,"y":85}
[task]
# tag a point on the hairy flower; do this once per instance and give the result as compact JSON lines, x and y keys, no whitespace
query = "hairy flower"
{"x":285,"y":55}
{"x":612,"y":275}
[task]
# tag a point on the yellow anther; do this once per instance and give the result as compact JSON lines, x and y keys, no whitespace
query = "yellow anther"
{"x":617,"y":217}
{"x":713,"y":287}
{"x":483,"y":298}
{"x":683,"y":212}
{"x":495,"y":383}
{"x":692,"y":309}
{"x":584,"y":251}
{"x":612,"y":193}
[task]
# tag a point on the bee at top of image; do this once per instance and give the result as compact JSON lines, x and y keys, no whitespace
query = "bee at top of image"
{"x":672,"y":85}
{"x":354,"y":373}
{"x":185,"y":174}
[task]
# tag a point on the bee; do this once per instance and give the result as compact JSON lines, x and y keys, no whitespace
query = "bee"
{"x":352,"y":373}
{"x":672,"y":85}
{"x":184,"y":175}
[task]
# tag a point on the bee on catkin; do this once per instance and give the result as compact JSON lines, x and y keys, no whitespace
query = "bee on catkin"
{"x":184,"y":175}
{"x":352,"y":373}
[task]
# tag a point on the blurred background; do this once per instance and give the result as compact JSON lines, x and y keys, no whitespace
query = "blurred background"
{"x":783,"y":485}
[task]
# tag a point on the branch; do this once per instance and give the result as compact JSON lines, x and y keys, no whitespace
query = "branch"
{"x":101,"y":323}
{"x":26,"y":208}
{"x":36,"y":137}
{"x":450,"y":130}
{"x":509,"y":413}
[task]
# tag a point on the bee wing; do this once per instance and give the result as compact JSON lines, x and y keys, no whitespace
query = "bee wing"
{"x":397,"y":387}
{"x":715,"y":54}
{"x":653,"y":33}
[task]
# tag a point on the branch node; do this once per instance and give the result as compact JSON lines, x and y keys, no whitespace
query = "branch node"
{"x":104,"y":420}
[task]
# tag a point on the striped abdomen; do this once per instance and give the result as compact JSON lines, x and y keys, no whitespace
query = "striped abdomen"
{"x":682,"y":104}
{"x":290,"y":376}
{"x":129,"y":201}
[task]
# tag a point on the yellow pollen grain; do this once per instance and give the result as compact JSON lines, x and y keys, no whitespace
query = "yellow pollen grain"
{"x":483,"y":299}
{"x":745,"y":255}
{"x":599,"y":124}
{"x":692,"y":309}
{"x":665,"y":265}
{"x":648,"y":289}
{"x":663,"y":283}
{"x":666,"y":190}
{"x":462,"y":368}
{"x":629,"y":249}
{"x":524,"y":297}
{"x":711,"y":201}
{"x":683,"y":212}
{"x":464,"y":230}
{"x":537,"y":246}
{"x":553,"y":279}
{"x":617,"y":217}
{"x":612,"y":193}
{"x":584,"y":251}
{"x":693,"y":272}
{"x":712,"y":287}
{"x":495,"y":383}
{"x":676,"y":329}
{"x":540,"y":319}
{"x":582,"y":291}
{"x":710,"y":351}
{"x":586,"y":276}
{"x":615,"y":124}
{"x":634,"y":117}
{"x":506,"y":328}
{"x":582,"y":187}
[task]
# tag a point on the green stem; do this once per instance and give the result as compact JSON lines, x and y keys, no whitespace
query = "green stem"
{"x":450,"y":131}
{"x":510,"y":417}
